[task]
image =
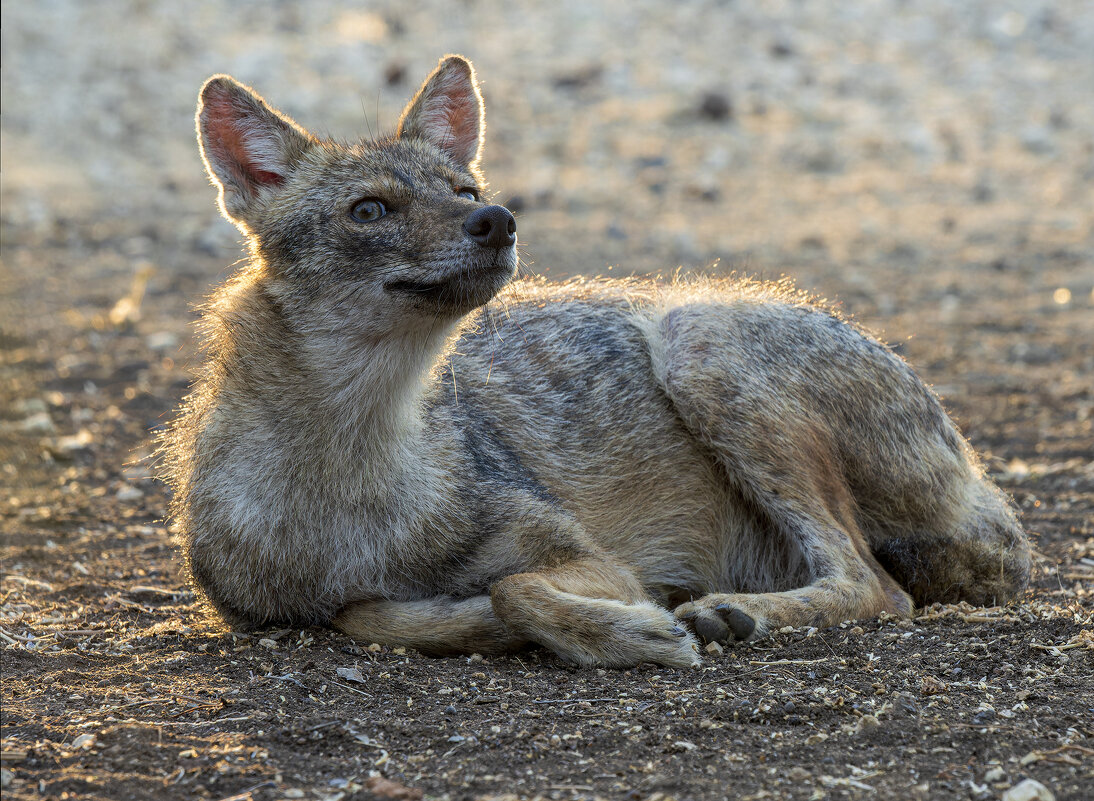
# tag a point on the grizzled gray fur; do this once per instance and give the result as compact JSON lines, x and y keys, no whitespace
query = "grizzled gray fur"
{"x":392,"y":438}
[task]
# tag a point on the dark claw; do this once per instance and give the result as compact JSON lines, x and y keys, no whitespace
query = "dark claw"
{"x":711,"y":628}
{"x":741,"y":624}
{"x":680,"y":631}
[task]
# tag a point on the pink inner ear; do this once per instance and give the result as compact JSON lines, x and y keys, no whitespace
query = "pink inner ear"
{"x":224,"y":124}
{"x":267,"y":178}
{"x":449,"y":115}
{"x":464,"y":120}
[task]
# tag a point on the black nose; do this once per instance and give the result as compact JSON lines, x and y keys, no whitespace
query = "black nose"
{"x":491,"y":227}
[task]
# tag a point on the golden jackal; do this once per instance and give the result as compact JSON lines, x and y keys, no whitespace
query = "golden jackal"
{"x":375,"y":444}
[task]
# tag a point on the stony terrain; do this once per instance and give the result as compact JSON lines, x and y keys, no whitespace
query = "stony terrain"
{"x":928,"y":165}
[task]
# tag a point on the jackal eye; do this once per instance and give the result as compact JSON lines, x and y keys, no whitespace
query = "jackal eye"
{"x":468,"y":193}
{"x":368,"y":210}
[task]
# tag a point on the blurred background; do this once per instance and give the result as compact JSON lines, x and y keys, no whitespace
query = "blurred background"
{"x":929,"y":165}
{"x":653,"y":134}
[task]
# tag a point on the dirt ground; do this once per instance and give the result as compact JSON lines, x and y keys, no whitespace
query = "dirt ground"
{"x":928,"y":165}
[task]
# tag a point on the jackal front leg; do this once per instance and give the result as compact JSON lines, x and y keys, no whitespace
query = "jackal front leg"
{"x":438,"y":626}
{"x":592,"y":612}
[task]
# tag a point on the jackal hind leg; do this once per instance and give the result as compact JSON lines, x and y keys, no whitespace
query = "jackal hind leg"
{"x":592,"y":612}
{"x":846,"y":583}
{"x":435,"y":626}
{"x":738,"y":394}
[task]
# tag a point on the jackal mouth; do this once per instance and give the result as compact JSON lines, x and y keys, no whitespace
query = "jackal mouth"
{"x":427,"y":291}
{"x":458,"y":292}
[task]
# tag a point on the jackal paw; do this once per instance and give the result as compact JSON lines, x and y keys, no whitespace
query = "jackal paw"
{"x":621,"y":635}
{"x":717,"y":618}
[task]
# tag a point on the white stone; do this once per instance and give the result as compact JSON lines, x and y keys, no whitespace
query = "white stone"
{"x":1029,"y":790}
{"x":39,"y":423}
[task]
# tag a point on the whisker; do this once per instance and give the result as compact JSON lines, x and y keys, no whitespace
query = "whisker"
{"x":364,"y":114}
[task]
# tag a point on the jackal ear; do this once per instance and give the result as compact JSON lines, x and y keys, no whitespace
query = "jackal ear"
{"x":249,"y":149}
{"x":448,"y":112}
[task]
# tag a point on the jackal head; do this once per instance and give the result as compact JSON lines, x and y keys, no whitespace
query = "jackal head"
{"x":381,"y":232}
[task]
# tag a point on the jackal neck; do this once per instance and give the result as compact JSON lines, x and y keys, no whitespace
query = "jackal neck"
{"x":368,"y":398}
{"x":344,"y":401}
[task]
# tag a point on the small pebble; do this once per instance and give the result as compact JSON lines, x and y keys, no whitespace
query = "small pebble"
{"x":39,"y":423}
{"x":715,"y":106}
{"x":84,"y":741}
{"x":394,"y":73}
{"x":351,"y":674}
{"x":983,"y":716}
{"x":129,"y":494}
{"x":715,"y":649}
{"x":162,"y":340}
{"x":994,"y":774}
{"x":866,"y":724}
{"x":1029,"y":790}
{"x":781,"y":48}
{"x":69,"y":447}
{"x":30,"y":406}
